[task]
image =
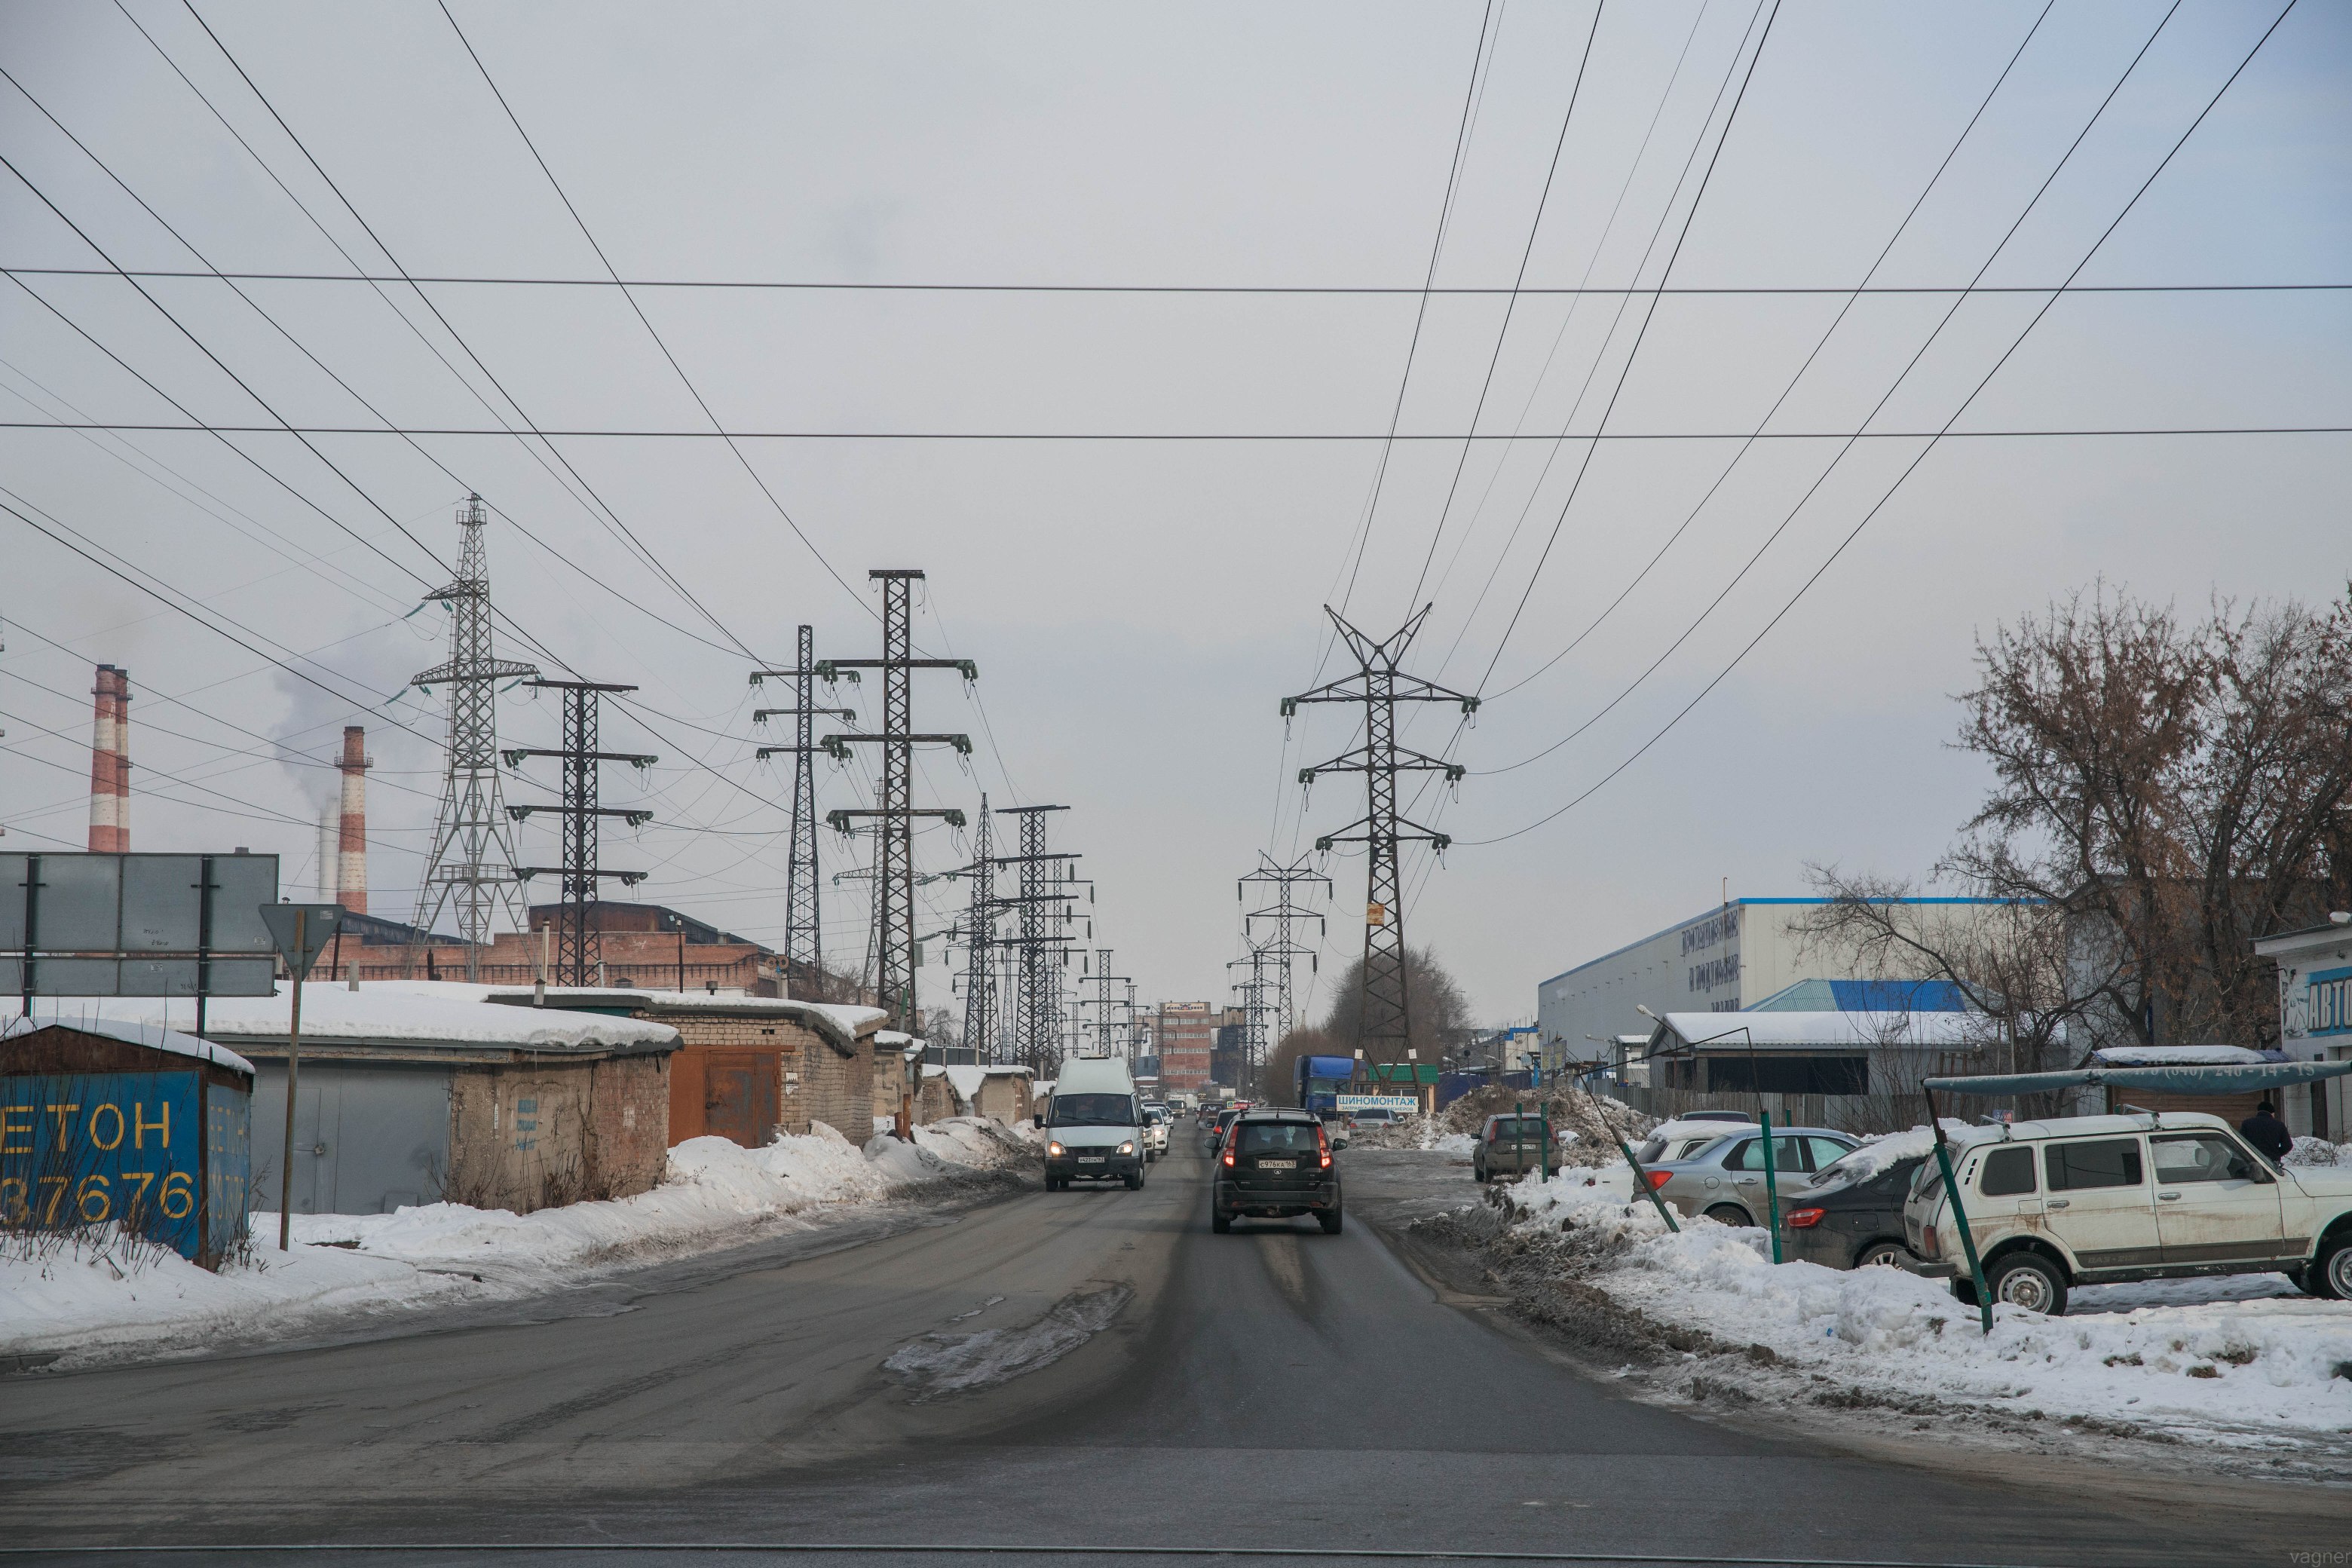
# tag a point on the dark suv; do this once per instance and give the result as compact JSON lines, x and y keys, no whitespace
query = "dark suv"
{"x":1274,"y":1164}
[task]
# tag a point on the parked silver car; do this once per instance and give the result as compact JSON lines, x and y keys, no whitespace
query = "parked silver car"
{"x":1725,"y":1179}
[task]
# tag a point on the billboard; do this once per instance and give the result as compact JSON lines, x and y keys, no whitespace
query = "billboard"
{"x":136,"y":925}
{"x":130,"y":1148}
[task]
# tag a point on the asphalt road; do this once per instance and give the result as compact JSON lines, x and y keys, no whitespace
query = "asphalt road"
{"x":1275,"y":1389}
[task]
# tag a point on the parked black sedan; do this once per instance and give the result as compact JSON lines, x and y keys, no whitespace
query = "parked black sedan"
{"x":1850,"y":1215}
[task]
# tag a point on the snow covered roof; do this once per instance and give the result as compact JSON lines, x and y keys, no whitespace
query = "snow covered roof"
{"x":386,"y":1013}
{"x":1842,"y":1031}
{"x":154,"y":1036}
{"x":839,"y":1022}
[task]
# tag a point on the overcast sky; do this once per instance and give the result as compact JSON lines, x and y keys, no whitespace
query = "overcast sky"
{"x":1138,"y":608}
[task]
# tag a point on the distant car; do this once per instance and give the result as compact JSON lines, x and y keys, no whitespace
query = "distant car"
{"x":1213,"y":1127}
{"x":1725,"y":1180}
{"x":1513,"y":1145}
{"x":1275,"y":1165}
{"x":1849,"y":1215}
{"x":1155,"y":1130}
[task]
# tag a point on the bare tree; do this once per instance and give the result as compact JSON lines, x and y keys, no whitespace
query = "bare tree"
{"x":1436,"y":1009}
{"x":2174,"y":791}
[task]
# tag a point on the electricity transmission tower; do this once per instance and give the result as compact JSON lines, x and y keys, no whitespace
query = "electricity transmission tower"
{"x":471,"y":864}
{"x":1285,"y":914}
{"x":979,"y":938}
{"x":804,"y":945}
{"x":1038,"y":953}
{"x":576,"y":955}
{"x":1378,"y":686}
{"x":1103,"y":1022}
{"x":1253,"y":1011}
{"x":895,"y":813}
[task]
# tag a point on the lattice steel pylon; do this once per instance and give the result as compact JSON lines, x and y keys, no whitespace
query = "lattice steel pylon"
{"x":803,"y":944}
{"x":1253,"y":1011}
{"x":1104,"y":1024}
{"x":471,"y":863}
{"x":895,"y":813}
{"x":1037,"y":951}
{"x":980,"y":946}
{"x":1378,"y":686}
{"x":576,"y":955}
{"x":1285,"y":914}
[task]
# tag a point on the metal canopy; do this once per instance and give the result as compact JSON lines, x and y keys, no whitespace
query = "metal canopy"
{"x":2216,"y":1080}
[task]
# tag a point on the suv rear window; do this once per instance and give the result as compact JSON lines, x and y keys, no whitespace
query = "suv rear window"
{"x":1507,"y":1130}
{"x":1272,"y":1137}
{"x":2109,"y":1163}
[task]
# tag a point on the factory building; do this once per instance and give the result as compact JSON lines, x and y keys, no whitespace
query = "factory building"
{"x":1739,"y":953}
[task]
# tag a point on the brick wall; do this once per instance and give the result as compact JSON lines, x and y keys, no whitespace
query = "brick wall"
{"x":838,"y":1090}
{"x":628,"y":1145}
{"x":539,"y":1134}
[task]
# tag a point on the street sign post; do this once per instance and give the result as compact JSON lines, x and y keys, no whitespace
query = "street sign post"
{"x":135,"y":925}
{"x":301,"y":933}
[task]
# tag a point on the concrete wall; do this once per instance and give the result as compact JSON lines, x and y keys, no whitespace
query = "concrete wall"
{"x":937,"y":1101}
{"x":1004,"y":1097}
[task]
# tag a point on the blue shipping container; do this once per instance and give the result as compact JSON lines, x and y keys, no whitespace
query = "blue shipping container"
{"x":160,"y":1151}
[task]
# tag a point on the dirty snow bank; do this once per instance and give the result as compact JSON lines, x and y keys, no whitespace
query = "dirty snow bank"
{"x":82,"y":1305}
{"x":2243,"y":1362}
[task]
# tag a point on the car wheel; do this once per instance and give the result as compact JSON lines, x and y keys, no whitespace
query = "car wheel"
{"x":1330,"y":1221}
{"x":2331,"y":1272}
{"x":2029,"y":1280}
{"x":1480,"y":1174}
{"x":1220,"y":1221}
{"x":1134,"y":1180}
{"x":1882,"y":1255}
{"x":1731,"y":1213}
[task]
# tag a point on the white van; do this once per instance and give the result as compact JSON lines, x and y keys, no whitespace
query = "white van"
{"x":1094,"y":1125}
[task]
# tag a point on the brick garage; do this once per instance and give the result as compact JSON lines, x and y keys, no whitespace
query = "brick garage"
{"x":409,"y":1094}
{"x":750,"y":1066}
{"x":1003,"y":1093}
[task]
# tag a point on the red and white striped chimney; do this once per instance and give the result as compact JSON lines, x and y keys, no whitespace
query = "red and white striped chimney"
{"x":109,"y":763}
{"x":350,"y":838}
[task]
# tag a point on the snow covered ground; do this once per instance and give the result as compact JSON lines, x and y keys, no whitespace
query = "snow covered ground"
{"x":87,"y":1306}
{"x":2245,"y":1361}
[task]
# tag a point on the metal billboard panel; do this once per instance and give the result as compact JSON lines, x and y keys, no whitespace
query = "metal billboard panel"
{"x":136,"y":925}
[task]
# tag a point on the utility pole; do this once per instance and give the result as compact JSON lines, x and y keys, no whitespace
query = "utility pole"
{"x":576,"y":944}
{"x":803,"y":944}
{"x":980,"y":970}
{"x":895,"y":814}
{"x":1044,"y":900}
{"x":1285,"y":914}
{"x":1103,"y":1022}
{"x":1378,"y":686}
{"x":471,"y":863}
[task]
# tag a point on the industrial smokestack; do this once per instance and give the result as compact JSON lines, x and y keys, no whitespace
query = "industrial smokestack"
{"x":350,"y":838}
{"x":109,"y":763}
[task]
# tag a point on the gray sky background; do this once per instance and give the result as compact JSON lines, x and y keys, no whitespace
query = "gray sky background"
{"x":1139,"y":608}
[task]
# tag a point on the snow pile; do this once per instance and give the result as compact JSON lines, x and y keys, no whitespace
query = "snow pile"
{"x":2180,"y":1056}
{"x":940,"y":1364}
{"x":2319,"y":1152}
{"x":715,"y":1193}
{"x":1595,"y":1120}
{"x":2204,"y":1360}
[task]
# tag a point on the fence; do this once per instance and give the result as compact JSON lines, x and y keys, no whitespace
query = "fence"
{"x":1855,"y":1113}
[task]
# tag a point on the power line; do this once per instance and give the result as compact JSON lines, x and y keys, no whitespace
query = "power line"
{"x":1912,"y":466}
{"x":1373,"y":290}
{"x":1206,"y":437}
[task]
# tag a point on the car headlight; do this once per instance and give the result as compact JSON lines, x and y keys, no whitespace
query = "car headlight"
{"x":1127,"y":1147}
{"x":1055,"y":1151}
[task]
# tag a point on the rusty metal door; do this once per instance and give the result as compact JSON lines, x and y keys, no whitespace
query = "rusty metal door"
{"x":738,"y":1097}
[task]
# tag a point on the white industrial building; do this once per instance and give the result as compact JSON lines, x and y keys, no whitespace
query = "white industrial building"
{"x":1740,"y":953}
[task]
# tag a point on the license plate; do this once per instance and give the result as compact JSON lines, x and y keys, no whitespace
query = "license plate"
{"x":1278,"y":1164}
{"x":1090,"y":1159}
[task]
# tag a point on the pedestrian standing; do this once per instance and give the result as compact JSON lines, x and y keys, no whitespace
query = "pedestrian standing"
{"x":2265,"y":1131}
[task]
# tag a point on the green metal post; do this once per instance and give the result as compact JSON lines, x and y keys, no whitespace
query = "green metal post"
{"x":1519,"y":1137}
{"x":1772,"y":1187}
{"x":1960,"y":1217}
{"x":1642,"y":1180}
{"x":1543,"y":1154}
